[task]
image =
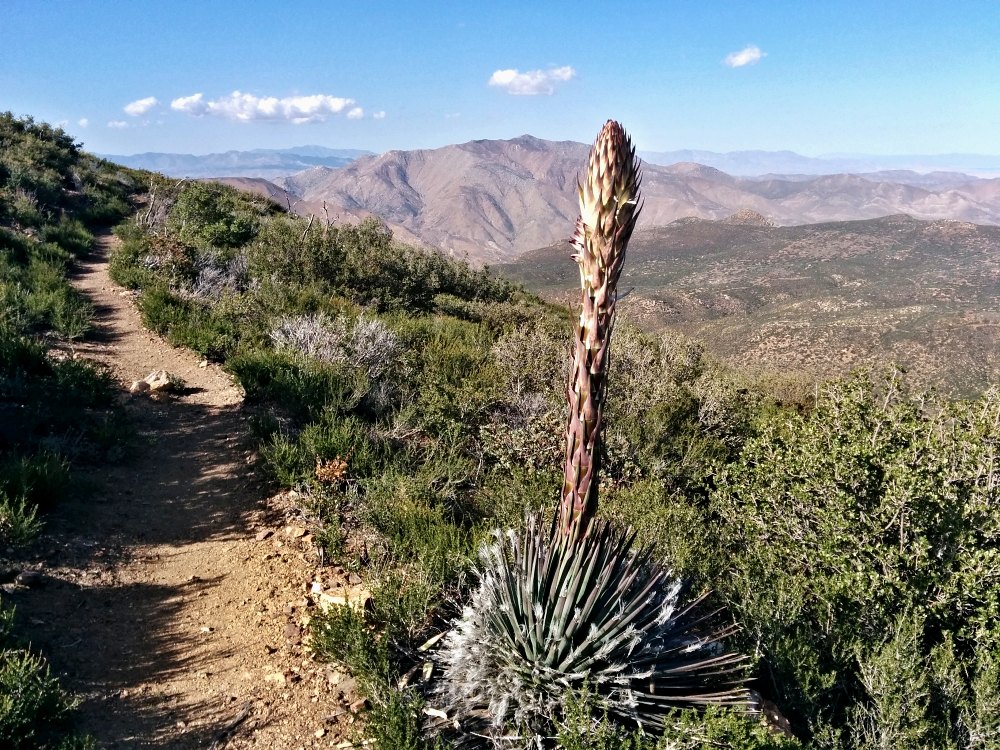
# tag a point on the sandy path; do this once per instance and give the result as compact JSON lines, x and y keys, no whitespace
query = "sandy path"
{"x":162,"y":609}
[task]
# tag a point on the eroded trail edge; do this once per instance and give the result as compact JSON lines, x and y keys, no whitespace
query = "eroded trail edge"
{"x":174,"y":590}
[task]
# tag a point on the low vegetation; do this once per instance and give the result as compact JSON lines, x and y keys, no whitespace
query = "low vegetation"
{"x":55,"y":412}
{"x":850,"y":529}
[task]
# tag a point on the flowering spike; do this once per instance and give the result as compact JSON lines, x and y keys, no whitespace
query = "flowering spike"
{"x":609,"y":208}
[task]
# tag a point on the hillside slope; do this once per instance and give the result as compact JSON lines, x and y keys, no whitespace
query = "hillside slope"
{"x":822,"y":297}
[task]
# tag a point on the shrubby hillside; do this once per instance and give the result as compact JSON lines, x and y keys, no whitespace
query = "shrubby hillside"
{"x":849,"y":528}
{"x":55,"y":412}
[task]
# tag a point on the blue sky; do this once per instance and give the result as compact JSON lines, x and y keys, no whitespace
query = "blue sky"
{"x":885,"y":77}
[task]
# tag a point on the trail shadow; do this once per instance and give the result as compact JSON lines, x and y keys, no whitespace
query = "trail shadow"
{"x":187,"y":483}
{"x":86,"y":270}
{"x":107,"y":640}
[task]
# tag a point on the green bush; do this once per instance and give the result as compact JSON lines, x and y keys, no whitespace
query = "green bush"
{"x":304,"y":388}
{"x":18,"y":520}
{"x":35,"y":712}
{"x":859,"y":547}
{"x":213,"y":215}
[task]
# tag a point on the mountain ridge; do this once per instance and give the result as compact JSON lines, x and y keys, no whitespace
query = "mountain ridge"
{"x":259,"y":162}
{"x":494,"y":200}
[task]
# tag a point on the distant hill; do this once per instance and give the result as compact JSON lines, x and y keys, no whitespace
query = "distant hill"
{"x":493,"y":200}
{"x":755,"y":163}
{"x":266,"y":163}
{"x":821,"y":298}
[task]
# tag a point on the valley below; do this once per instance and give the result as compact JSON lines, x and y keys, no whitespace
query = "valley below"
{"x":820,"y":299}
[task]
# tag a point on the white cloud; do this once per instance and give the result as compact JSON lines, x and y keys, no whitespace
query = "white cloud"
{"x":380,"y":115}
{"x":749,"y":55}
{"x":193,"y":105}
{"x":118,"y":124}
{"x":531,"y":82}
{"x":248,"y":108}
{"x":83,"y":122}
{"x":141,"y":106}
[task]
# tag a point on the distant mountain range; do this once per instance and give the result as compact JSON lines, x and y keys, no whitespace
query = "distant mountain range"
{"x":756,"y":163}
{"x":262,"y":162}
{"x":820,"y":298}
{"x":493,"y":200}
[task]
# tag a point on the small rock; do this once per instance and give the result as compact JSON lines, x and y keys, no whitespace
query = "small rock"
{"x":319,"y":733}
{"x":161,"y":380}
{"x":359,"y":704}
{"x":293,"y":633}
{"x":203,"y":364}
{"x":30,"y":578}
{"x":295,"y":532}
{"x":276,"y":677}
{"x":348,"y":687}
{"x":334,"y":676}
{"x":139,"y":386}
{"x":263,"y":534}
{"x":354,"y":579}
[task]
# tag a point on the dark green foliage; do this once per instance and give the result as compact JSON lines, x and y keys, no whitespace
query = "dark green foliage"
{"x":190,"y":323}
{"x":127,"y":265}
{"x":860,"y":543}
{"x":19,"y":521}
{"x":585,"y":727}
{"x":43,"y":174}
{"x":71,"y":235}
{"x":302,"y":387}
{"x":35,"y":713}
{"x":214,"y":215}
{"x":39,"y":479}
{"x":34,"y":292}
{"x":364,"y":264}
{"x":51,"y":412}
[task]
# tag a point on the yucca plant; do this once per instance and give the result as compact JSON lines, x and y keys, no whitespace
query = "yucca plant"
{"x":572,"y":606}
{"x":556,"y":613}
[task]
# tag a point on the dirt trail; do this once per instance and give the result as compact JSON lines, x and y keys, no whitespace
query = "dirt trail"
{"x":162,"y":608}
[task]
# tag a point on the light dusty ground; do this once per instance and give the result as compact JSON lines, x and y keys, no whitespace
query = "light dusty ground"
{"x":162,"y":608}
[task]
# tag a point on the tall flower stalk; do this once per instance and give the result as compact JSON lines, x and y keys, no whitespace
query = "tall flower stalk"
{"x":609,"y":207}
{"x":574,"y":606}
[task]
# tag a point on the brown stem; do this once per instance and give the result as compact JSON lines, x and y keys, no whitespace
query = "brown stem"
{"x":608,"y":211}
